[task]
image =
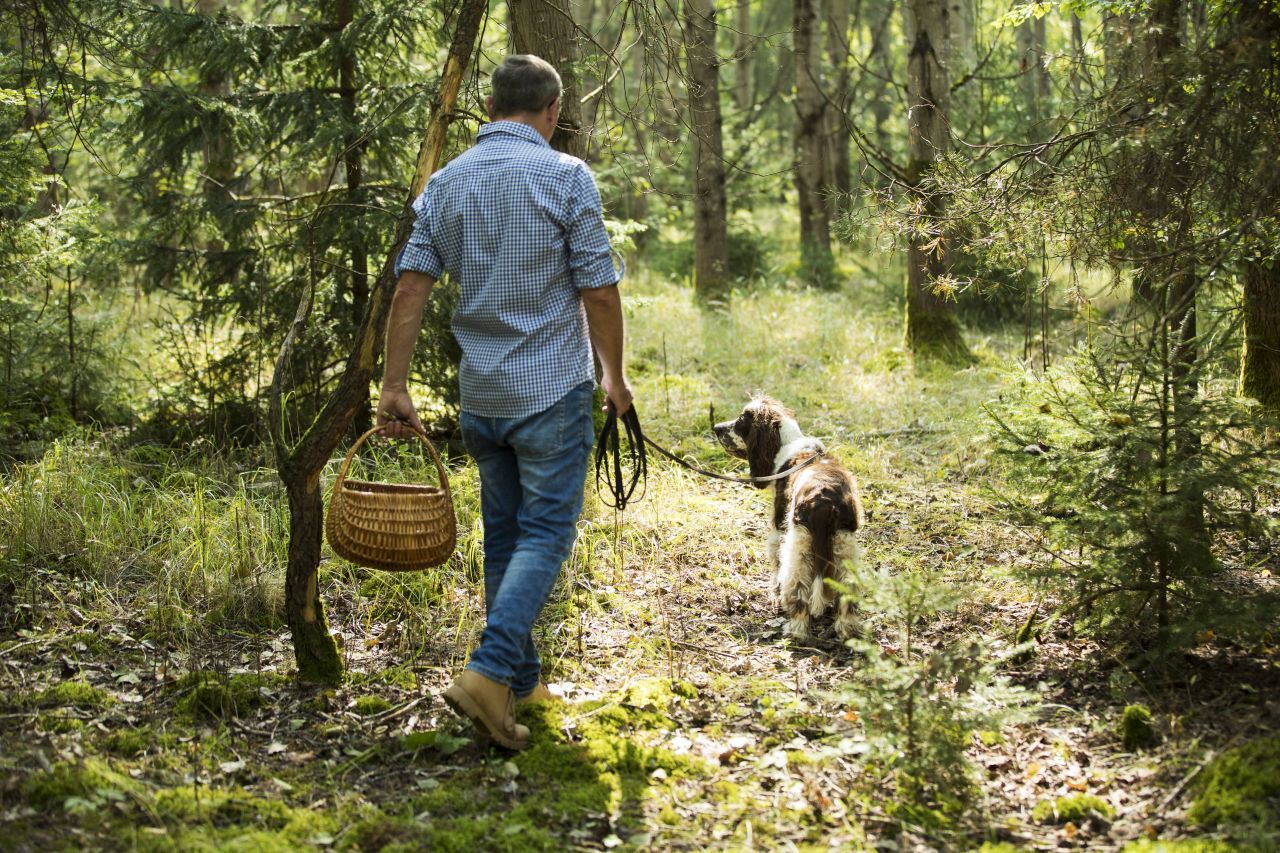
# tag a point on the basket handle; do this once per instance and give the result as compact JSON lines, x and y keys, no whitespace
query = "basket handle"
{"x":346,"y":463}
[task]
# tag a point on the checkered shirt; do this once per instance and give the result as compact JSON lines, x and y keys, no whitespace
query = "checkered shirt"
{"x":520,"y":227}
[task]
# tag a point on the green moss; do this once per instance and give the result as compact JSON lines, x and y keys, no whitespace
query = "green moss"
{"x":58,"y":724}
{"x":997,"y":847}
{"x":1075,"y":808}
{"x":1239,"y":789}
{"x":399,"y":677}
{"x":210,"y":696}
{"x":75,"y":694}
{"x":221,"y":808}
{"x":368,"y":706}
{"x":128,"y":742}
{"x":1181,"y":845}
{"x":68,"y":779}
{"x":1136,"y":731}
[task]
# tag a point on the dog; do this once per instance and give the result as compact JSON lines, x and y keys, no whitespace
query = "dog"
{"x":816,"y":512}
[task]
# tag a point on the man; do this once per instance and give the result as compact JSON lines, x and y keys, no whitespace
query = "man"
{"x":520,"y":228}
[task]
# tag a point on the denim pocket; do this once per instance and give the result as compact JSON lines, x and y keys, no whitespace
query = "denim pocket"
{"x":558,"y":429}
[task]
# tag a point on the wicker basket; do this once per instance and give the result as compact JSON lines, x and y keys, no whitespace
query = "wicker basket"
{"x":389,"y":526}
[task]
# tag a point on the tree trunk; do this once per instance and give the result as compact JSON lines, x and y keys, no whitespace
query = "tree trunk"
{"x":352,"y":158}
{"x":932,"y":330}
{"x":841,"y":177}
{"x":545,"y":28}
{"x":810,"y":168}
{"x":1260,"y":360}
{"x":962,"y":39}
{"x":881,"y":67}
{"x":744,"y":48}
{"x":301,"y":465}
{"x":317,"y":657}
{"x":710,"y":232}
{"x":1025,"y":39}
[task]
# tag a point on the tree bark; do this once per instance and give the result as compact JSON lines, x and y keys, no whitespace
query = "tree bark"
{"x":810,"y":166}
{"x":710,"y":230}
{"x":546,"y":28}
{"x":932,"y":330}
{"x":881,"y":66}
{"x":1260,"y":360}
{"x":840,"y":178}
{"x":300,"y":466}
{"x":743,"y":50}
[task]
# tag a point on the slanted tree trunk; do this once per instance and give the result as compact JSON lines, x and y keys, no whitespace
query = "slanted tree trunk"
{"x":710,"y":231}
{"x":932,"y":330}
{"x":353,"y":161}
{"x":1260,"y":359}
{"x":300,"y":466}
{"x":545,"y":28}
{"x":810,"y":168}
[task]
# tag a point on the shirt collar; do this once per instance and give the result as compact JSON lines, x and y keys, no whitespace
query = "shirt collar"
{"x":511,"y":128}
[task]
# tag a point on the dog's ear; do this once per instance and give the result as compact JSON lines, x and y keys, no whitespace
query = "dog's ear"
{"x":763,"y":442}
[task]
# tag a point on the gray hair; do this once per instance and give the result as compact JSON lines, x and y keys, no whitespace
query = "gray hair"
{"x":524,"y":83}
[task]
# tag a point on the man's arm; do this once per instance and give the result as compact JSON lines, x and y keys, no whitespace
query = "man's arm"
{"x":604,"y":321}
{"x":403,"y":325}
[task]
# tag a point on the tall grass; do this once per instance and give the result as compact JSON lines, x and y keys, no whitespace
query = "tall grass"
{"x":190,"y":540}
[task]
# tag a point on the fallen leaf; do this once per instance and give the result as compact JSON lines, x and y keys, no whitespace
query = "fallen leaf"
{"x":275,"y":747}
{"x":231,"y":766}
{"x":1033,"y":770}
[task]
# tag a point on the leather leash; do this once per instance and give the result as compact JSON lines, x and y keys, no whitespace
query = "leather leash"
{"x":609,"y":450}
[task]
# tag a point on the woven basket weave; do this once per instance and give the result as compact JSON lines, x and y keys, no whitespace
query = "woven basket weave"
{"x":398,"y":528}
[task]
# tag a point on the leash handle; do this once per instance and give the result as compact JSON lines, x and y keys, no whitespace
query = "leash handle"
{"x":609,"y":451}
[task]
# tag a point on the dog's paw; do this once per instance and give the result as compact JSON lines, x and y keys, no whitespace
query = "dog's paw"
{"x":797,"y":629}
{"x":847,"y":626}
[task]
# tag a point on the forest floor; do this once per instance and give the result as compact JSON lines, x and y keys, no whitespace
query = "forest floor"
{"x":138,"y":714}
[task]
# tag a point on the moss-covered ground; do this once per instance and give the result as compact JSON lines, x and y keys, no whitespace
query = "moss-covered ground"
{"x":148,"y":699}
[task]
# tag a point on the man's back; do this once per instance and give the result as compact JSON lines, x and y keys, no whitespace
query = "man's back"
{"x":519,"y":226}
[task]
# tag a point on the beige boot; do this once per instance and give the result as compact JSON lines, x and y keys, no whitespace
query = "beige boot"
{"x":541,"y":693}
{"x":489,"y":706}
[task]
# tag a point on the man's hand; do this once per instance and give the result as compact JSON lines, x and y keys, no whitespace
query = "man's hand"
{"x":395,"y":405}
{"x":617,"y":394}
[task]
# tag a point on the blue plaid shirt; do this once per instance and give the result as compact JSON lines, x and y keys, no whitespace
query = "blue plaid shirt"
{"x":520,"y":228}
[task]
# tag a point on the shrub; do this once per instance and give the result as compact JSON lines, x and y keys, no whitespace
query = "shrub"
{"x":1129,"y":475}
{"x":921,"y":706}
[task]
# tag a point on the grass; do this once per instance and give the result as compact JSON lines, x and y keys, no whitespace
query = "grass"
{"x":157,"y":573}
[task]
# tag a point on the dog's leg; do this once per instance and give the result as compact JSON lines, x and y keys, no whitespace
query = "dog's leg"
{"x":796,"y":581}
{"x":774,"y":549}
{"x":848,"y":557}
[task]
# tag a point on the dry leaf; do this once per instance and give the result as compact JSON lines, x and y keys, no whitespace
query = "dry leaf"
{"x":1033,"y":769}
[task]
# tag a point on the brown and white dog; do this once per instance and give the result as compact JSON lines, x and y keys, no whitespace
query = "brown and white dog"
{"x":816,"y":512}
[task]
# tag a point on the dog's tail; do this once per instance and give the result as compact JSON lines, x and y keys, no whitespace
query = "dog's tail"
{"x":821,"y":522}
{"x":824,"y":519}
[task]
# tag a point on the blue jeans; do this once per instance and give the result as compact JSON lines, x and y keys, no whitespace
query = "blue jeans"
{"x":532,"y":472}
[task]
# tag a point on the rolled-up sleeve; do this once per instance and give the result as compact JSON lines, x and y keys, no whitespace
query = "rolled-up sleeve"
{"x":420,"y":253}
{"x":591,"y":260}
